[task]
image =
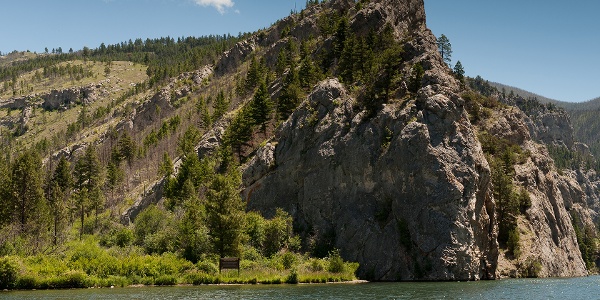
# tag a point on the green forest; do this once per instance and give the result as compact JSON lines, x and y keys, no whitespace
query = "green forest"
{"x":61,"y":215}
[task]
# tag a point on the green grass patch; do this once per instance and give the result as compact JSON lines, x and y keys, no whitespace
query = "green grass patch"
{"x":86,"y":264}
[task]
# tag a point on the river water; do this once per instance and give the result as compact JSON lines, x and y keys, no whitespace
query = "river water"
{"x":565,"y":289}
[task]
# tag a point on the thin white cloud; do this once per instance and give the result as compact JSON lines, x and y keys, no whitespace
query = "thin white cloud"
{"x":220,"y":5}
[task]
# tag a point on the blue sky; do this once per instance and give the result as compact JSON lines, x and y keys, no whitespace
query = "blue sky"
{"x":36,"y":24}
{"x":547,"y":47}
{"x":550,"y":47}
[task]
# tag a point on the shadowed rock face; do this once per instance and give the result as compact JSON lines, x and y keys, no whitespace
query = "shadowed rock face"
{"x":406,"y":194}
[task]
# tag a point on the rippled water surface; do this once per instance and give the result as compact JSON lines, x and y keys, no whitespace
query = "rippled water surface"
{"x":570,"y":288}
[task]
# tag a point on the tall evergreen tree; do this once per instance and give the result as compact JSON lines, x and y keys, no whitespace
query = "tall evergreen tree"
{"x":341,"y":33}
{"x":445,"y":48}
{"x":255,"y":74}
{"x":225,"y":213}
{"x":459,"y":71}
{"x":205,"y":116}
{"x":7,"y":206}
{"x":166,"y":168}
{"x":290,"y":95}
{"x":88,"y":180}
{"x":261,"y":106}
{"x":59,"y":188}
{"x":187,"y":143}
{"x":27,"y":190}
{"x":221,"y":106}
{"x":240,"y":131}
{"x":127,"y":148}
{"x":114,"y":177}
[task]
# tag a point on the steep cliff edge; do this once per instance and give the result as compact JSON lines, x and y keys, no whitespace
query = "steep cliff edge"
{"x":407,"y":191}
{"x":548,"y":246}
{"x":406,"y":194}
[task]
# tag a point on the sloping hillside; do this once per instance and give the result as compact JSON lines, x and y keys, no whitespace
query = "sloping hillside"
{"x":338,"y":132}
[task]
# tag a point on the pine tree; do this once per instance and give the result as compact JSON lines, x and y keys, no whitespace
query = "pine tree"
{"x":308,"y":73}
{"x":239,"y":131}
{"x":416,"y":78}
{"x":127,"y":148}
{"x":166,"y":168}
{"x":59,"y":188}
{"x":221,"y":106}
{"x":290,"y":95}
{"x":88,"y":180}
{"x":341,"y":33}
{"x":225,"y":213}
{"x":205,"y":116}
{"x":261,"y":106}
{"x":114,"y":177}
{"x":27,"y":190}
{"x":346,"y":63}
{"x":193,"y":237}
{"x":255,"y":74}
{"x":187,"y":143}
{"x":445,"y":48}
{"x":459,"y":71}
{"x":6,"y":200}
{"x":281,"y":62}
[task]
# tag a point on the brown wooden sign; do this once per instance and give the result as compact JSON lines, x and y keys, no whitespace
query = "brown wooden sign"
{"x":229,"y":263}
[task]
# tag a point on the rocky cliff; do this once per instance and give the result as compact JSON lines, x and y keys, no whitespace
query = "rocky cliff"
{"x":546,"y":230}
{"x":57,"y":99}
{"x":407,"y":192}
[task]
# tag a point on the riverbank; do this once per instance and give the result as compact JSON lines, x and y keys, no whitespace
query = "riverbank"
{"x":86,"y":264}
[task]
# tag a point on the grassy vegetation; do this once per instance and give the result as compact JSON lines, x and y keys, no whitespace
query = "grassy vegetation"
{"x":52,"y":125}
{"x":87,"y":264}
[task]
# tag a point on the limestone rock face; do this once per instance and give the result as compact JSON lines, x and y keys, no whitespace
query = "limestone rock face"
{"x":546,"y":230}
{"x":406,"y":194}
{"x":232,"y":58}
{"x":57,"y":99}
{"x":552,"y":127}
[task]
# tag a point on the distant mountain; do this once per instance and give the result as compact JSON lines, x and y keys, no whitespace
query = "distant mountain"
{"x":587,"y":105}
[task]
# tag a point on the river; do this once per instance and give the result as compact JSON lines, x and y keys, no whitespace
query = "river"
{"x":565,"y":289}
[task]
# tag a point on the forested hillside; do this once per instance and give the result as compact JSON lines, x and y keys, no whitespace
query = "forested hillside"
{"x":86,"y":133}
{"x":339,"y":133}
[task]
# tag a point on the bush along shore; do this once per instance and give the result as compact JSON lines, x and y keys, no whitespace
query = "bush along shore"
{"x":86,"y":264}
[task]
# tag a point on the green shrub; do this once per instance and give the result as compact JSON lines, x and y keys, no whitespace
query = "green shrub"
{"x":513,"y":242}
{"x":531,"y":268}
{"x":123,"y":237}
{"x":149,"y":221}
{"x":207,"y":267}
{"x":292,"y":277}
{"x":166,"y":280}
{"x":316,"y":265}
{"x":75,"y":279}
{"x":251,"y":253}
{"x":8,"y":273}
{"x":336,"y":263}
{"x":288,"y":260}
{"x":27,"y":282}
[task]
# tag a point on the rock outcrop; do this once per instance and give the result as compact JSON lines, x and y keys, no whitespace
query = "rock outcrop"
{"x":546,"y":230}
{"x":406,"y":194}
{"x":57,"y":99}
